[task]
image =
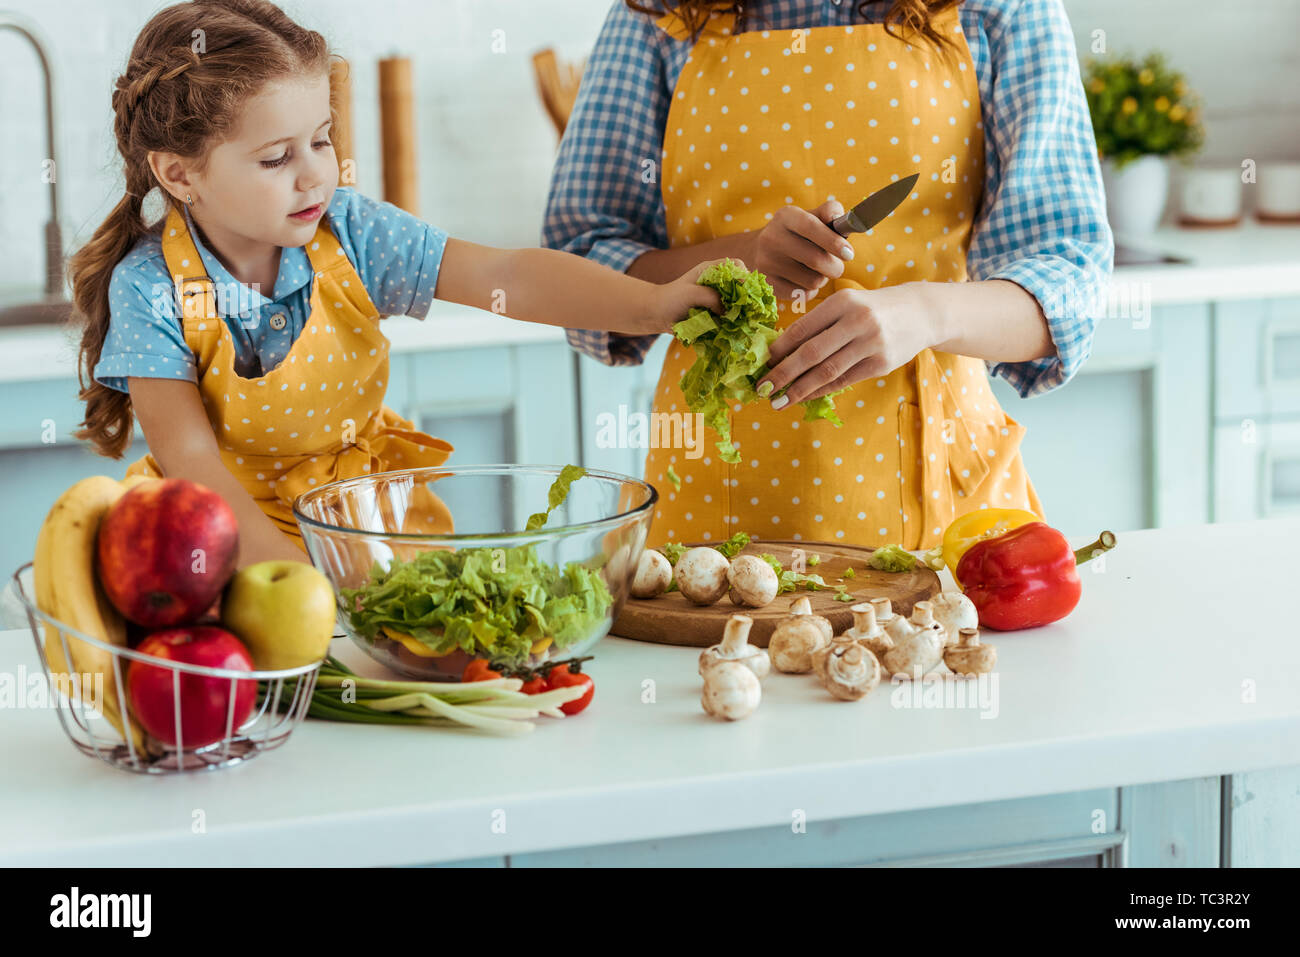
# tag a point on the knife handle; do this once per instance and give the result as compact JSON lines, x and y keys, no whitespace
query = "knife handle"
{"x":841,"y":225}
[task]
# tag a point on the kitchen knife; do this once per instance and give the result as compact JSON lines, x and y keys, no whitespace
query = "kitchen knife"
{"x":875,"y":207}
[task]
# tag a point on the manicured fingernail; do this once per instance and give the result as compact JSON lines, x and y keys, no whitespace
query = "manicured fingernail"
{"x":846,"y":252}
{"x":764,"y":389}
{"x":780,"y":402}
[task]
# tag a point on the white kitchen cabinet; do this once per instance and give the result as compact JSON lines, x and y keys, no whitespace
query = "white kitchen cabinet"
{"x":1264,"y":824}
{"x":1256,"y":469}
{"x":32,"y":477}
{"x":512,"y":403}
{"x":603,"y":389}
{"x":1256,"y":436}
{"x":39,"y":458}
{"x":496,"y":405}
{"x":1079,"y":827}
{"x":1171,"y":824}
{"x":1123,"y":445}
{"x":1257,"y":355}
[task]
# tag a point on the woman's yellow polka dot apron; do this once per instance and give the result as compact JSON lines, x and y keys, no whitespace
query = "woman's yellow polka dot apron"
{"x":319,"y":415}
{"x":770,"y":118}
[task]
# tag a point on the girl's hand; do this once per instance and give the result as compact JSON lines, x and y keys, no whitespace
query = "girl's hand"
{"x":855,"y":334}
{"x":674,"y":299}
{"x":797,"y":249}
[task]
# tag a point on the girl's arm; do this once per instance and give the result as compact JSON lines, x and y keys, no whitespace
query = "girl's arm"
{"x":559,"y":289}
{"x":181,"y":440}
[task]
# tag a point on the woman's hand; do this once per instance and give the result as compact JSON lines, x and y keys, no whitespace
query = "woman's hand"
{"x":797,"y":249}
{"x":673,"y":300}
{"x":855,"y":334}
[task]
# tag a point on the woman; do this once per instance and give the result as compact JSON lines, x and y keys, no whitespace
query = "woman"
{"x":767,"y":119}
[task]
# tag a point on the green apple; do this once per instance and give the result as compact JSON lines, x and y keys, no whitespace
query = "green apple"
{"x":283,"y":611}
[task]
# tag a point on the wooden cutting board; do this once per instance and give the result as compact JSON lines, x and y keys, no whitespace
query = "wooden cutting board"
{"x":671,"y":620}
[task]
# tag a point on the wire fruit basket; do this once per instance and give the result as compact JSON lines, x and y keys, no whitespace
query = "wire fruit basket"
{"x":282,"y":703}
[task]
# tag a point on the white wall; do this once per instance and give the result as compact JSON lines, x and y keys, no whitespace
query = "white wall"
{"x":1241,"y":57}
{"x":485,"y":143}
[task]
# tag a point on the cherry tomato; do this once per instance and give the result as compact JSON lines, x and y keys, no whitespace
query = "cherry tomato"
{"x":562,"y":677}
{"x":479,"y":670}
{"x":535,"y":685}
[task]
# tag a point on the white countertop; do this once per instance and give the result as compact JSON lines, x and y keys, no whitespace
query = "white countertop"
{"x":1250,"y":261}
{"x":1253,"y":260}
{"x":1142,"y":683}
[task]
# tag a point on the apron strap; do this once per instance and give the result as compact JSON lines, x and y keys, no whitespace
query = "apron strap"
{"x":195,"y":291}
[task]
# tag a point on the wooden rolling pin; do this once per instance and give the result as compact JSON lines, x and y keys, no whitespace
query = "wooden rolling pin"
{"x":397,"y":133}
{"x":341,"y":131}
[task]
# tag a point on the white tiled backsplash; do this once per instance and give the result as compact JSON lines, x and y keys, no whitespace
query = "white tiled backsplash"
{"x":485,"y":144}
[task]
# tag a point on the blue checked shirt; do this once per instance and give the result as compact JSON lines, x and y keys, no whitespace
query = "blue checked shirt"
{"x":1042,"y":224}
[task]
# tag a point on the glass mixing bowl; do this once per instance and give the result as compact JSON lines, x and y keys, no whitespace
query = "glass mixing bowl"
{"x":425,"y":604}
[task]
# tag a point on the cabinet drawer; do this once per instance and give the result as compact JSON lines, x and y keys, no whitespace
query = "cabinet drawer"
{"x":1256,"y":469}
{"x":40,"y":413}
{"x":1257,"y":358}
{"x":1040,"y":830}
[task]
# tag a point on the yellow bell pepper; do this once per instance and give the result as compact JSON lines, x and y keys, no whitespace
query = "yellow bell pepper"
{"x":414,"y":645}
{"x":979,"y":524}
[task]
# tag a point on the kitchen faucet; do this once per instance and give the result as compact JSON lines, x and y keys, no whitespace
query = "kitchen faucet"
{"x":53,"y":235}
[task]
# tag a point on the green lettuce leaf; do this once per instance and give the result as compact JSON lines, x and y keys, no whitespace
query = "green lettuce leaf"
{"x":497,"y":602}
{"x":733,"y":546}
{"x":731,"y":351}
{"x":892,"y":558}
{"x":559,"y":491}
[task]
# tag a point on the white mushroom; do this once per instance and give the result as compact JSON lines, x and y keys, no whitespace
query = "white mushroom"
{"x":653,"y":575}
{"x":878,"y":642}
{"x":969,"y":656}
{"x":918,"y":643}
{"x":752,"y":581}
{"x":797,"y":636}
{"x":735,"y":646}
{"x":851,"y":671}
{"x":731,"y":691}
{"x":701,"y":575}
{"x":954,"y":611}
{"x":618,"y":566}
{"x":923,"y":617}
{"x":863,"y":631}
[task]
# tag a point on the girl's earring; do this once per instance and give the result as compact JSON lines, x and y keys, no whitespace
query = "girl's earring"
{"x":189,"y":200}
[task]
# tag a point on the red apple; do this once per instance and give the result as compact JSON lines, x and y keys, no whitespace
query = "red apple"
{"x":165,"y":550}
{"x":204,"y":701}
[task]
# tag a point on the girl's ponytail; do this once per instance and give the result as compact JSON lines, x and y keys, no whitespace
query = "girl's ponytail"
{"x":109,"y":420}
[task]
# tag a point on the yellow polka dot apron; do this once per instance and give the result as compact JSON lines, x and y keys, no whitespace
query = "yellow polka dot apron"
{"x":318,"y":416}
{"x":764,"y":119}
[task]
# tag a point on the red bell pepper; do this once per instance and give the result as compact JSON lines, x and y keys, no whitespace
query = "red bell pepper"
{"x":1025,"y":577}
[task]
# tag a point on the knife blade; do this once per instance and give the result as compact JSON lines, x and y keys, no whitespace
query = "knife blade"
{"x":875,"y":207}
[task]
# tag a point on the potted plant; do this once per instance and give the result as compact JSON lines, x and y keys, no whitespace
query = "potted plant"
{"x":1142,"y":114}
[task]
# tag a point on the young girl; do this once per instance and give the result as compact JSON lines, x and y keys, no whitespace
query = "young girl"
{"x":243,"y":328}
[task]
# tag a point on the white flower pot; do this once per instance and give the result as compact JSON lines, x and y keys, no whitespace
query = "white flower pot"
{"x":1136,"y":194}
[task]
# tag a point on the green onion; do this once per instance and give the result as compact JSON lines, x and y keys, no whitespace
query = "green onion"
{"x":496,"y":706}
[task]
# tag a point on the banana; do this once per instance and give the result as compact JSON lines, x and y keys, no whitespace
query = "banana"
{"x":131,"y":481}
{"x":68,"y":590}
